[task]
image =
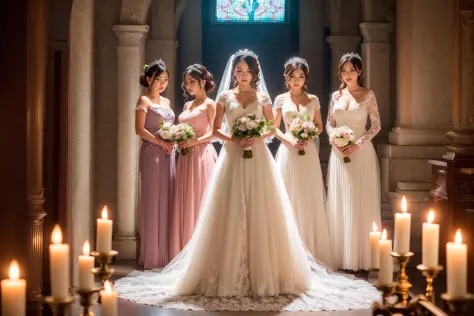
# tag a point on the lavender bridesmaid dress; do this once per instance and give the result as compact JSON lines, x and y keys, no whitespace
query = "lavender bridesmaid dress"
{"x":158,"y":173}
{"x":192,"y":174}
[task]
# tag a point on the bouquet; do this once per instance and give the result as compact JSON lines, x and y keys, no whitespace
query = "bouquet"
{"x":176,"y":133}
{"x":342,"y":136}
{"x":249,"y":126}
{"x":181,"y":133}
{"x":303,"y":129}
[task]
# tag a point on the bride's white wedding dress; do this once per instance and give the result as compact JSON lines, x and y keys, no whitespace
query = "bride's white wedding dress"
{"x":246,"y":252}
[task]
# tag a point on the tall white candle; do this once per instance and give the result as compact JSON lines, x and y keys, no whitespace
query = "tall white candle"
{"x":104,"y":232}
{"x":386,"y":260}
{"x":59,"y":265}
{"x":109,"y":300}
{"x":402,"y":229}
{"x":430,"y":242}
{"x":14,"y":293}
{"x":374,"y":247}
{"x":86,"y":264}
{"x":456,"y":262}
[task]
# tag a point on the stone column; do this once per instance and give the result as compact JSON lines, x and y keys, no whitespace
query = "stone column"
{"x":35,"y":92}
{"x":376,"y":60}
{"x":339,"y":46}
{"x":462,"y":133}
{"x":81,"y":76}
{"x":130,"y":61}
{"x":162,"y":43}
{"x":424,"y":72}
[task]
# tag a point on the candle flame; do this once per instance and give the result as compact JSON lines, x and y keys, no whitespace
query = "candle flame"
{"x":14,"y":270}
{"x":374,"y":227}
{"x":431,"y":216}
{"x":458,"y":238}
{"x":108,"y":286}
{"x":404,"y":204}
{"x":57,"y":236}
{"x":105,"y":214}
{"x":86,"y":249}
{"x":384,"y":234}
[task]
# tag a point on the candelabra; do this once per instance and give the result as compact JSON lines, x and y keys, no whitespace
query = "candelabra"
{"x":104,"y":272}
{"x":59,"y":306}
{"x":87,"y":299}
{"x":423,"y":304}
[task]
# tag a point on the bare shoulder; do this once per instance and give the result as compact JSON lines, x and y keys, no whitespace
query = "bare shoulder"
{"x":210,"y":104}
{"x":144,"y":101}
{"x":186,"y":105}
{"x":166,"y":100}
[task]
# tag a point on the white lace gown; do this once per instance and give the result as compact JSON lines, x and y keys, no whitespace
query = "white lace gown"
{"x":304,"y":183}
{"x":246,"y":252}
{"x":353,"y":200}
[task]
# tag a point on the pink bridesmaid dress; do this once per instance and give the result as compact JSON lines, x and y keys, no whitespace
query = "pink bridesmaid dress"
{"x":192,"y":174}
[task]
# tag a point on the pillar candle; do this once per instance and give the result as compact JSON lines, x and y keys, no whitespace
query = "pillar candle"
{"x":386,"y":260}
{"x":374,"y":247}
{"x":430,"y":242}
{"x":456,"y":262}
{"x":109,"y":300}
{"x":14,"y":293}
{"x":86,"y":264}
{"x":104,"y":232}
{"x":59,"y":265}
{"x":402,"y":229}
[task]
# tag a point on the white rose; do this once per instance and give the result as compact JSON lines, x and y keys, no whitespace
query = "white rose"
{"x":251,"y":125}
{"x":341,"y":142}
{"x":304,"y":135}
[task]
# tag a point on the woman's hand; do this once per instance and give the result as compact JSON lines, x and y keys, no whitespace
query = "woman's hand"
{"x":298,"y":145}
{"x":349,"y":149}
{"x":189,"y":143}
{"x":247,"y":142}
{"x":167,"y":147}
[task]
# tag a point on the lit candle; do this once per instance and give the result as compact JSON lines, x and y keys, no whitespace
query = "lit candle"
{"x":374,"y":247}
{"x":402,"y":229}
{"x":109,"y":300}
{"x":430,"y":241}
{"x":386,"y":260}
{"x":86,"y":264}
{"x":456,"y":262}
{"x":59,"y":265}
{"x":104,"y":232}
{"x":14,"y":293}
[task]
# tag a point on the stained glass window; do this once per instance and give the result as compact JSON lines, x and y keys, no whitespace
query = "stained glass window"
{"x":250,"y":10}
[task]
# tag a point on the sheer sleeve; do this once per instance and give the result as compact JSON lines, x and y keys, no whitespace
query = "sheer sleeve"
{"x":331,"y":122}
{"x":317,"y":105}
{"x":266,"y":99}
{"x":141,"y":107}
{"x":278,"y":104}
{"x":374,"y":116}
{"x":222,"y":98}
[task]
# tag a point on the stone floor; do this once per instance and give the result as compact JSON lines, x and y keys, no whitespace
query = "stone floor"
{"x":130,"y":309}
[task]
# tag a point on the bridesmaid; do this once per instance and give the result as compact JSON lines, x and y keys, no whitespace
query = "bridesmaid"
{"x":157,"y":167}
{"x":353,"y":201}
{"x":302,"y":174}
{"x":195,"y":168}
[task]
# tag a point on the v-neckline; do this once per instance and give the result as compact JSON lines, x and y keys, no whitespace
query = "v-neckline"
{"x":241,"y":105}
{"x":304,"y":106}
{"x":357,"y":103}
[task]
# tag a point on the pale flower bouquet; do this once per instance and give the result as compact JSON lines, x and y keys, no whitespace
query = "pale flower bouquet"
{"x":342,"y":136}
{"x":180,"y":133}
{"x":303,"y":129}
{"x":249,"y":126}
{"x":176,"y":133}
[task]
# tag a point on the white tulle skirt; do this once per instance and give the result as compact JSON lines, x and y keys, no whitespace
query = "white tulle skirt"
{"x":246,"y":252}
{"x":353,"y":204}
{"x":304,"y":183}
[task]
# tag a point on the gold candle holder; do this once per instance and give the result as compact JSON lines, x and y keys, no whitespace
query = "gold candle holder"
{"x":87,"y":299}
{"x":59,"y":306}
{"x":430,"y":273}
{"x":403,"y":285}
{"x":104,"y":272}
{"x":457,"y":305}
{"x":387,"y":291}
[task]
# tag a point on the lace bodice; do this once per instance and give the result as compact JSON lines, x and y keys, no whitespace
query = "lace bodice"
{"x":233,"y":110}
{"x":288,"y":109}
{"x":156,"y":114}
{"x":355,"y":117}
{"x":197,"y":118}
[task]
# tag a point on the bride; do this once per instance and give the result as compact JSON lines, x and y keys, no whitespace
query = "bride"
{"x":246,"y":252}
